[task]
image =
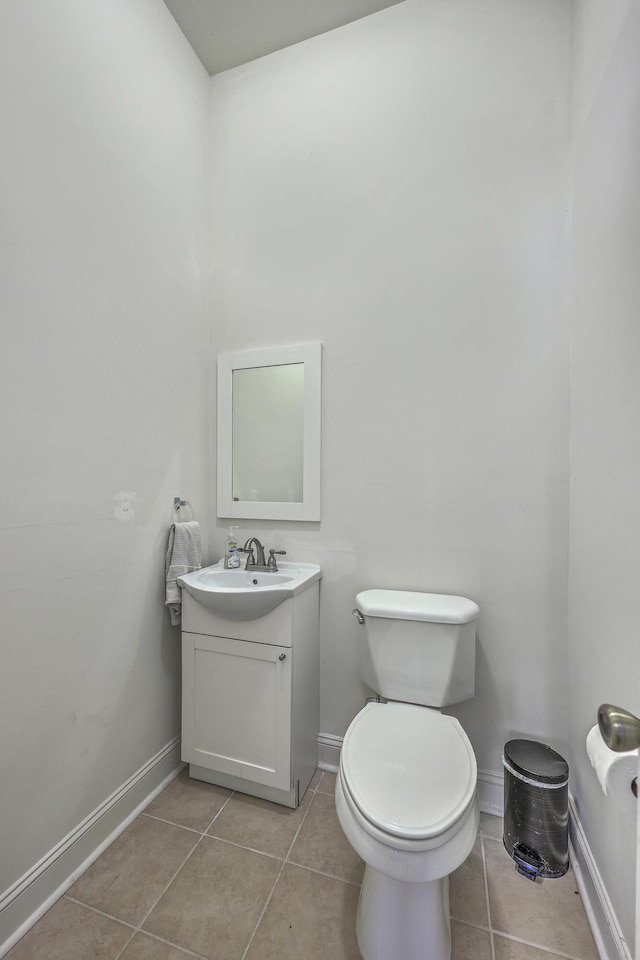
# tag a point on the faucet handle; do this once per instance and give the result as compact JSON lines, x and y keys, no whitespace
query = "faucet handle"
{"x":273,"y":566}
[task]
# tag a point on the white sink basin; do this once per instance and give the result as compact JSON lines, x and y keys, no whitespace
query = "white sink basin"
{"x":246,"y":594}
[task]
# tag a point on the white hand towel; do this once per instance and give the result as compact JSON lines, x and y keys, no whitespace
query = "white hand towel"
{"x":184,"y":555}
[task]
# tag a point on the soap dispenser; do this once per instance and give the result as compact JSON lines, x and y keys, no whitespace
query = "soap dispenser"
{"x":231,"y":557}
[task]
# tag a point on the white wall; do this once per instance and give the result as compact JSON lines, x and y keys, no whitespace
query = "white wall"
{"x":103,"y":389}
{"x":604,"y":600}
{"x":398,"y":189}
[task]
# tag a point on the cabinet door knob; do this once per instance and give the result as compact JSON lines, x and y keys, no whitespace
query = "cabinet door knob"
{"x":282,"y":656}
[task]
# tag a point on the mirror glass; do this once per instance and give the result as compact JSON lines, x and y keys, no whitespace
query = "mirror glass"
{"x":269,"y":433}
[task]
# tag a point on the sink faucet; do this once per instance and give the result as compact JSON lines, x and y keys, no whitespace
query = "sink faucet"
{"x":257,"y":560}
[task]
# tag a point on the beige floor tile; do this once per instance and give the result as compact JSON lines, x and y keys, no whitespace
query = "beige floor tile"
{"x":131,"y":874}
{"x":259,"y":824}
{"x":69,"y":931}
{"x":512,"y":950}
{"x":327,"y":783}
{"x":212,"y":897}
{"x":491,"y":826}
{"x":467,"y":890}
{"x":549,"y":914}
{"x":214,"y":903}
{"x":469,"y":943}
{"x":321,"y":844}
{"x":143,"y":947}
{"x":188,"y":803}
{"x":309,"y":916}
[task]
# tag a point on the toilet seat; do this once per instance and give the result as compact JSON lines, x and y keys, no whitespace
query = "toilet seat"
{"x":410,"y":771}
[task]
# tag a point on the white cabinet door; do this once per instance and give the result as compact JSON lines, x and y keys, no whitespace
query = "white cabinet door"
{"x":236,"y":708}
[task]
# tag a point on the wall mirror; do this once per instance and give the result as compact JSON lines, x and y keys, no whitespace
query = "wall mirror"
{"x":269,"y":404}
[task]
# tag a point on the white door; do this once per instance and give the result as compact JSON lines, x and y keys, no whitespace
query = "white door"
{"x":236,"y":708}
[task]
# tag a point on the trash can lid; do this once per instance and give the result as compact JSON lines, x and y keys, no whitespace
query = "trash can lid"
{"x":536,"y":760}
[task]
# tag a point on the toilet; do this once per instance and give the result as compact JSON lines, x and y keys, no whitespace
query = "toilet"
{"x":406,"y":788}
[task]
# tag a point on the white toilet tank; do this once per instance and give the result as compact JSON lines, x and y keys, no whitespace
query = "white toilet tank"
{"x":418,"y":647}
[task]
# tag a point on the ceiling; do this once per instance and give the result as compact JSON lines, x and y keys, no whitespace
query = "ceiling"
{"x":226,"y":33}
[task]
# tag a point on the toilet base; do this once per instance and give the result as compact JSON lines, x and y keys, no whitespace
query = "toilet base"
{"x":398,"y":920}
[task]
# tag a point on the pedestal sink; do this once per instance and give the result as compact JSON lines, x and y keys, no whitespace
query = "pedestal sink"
{"x":247,"y":594}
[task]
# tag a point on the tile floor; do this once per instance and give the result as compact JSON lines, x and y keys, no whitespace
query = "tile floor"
{"x":208,"y":873}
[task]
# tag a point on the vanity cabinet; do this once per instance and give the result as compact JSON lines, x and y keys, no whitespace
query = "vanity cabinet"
{"x":250,"y":697}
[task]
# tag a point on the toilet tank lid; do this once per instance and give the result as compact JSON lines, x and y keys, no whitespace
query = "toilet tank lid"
{"x":408,"y":605}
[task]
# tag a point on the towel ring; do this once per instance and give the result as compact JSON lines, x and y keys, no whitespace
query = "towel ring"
{"x":178,"y":503}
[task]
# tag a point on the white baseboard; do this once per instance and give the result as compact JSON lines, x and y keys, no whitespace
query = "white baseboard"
{"x":490,"y":783}
{"x":491,"y":792}
{"x":32,"y":895}
{"x":329,"y":748}
{"x":607,"y":934}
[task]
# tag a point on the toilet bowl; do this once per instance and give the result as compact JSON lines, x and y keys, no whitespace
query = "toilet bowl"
{"x":406,"y":800}
{"x":406,"y":788}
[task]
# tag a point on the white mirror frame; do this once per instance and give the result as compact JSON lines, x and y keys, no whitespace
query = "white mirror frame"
{"x":311,"y":355}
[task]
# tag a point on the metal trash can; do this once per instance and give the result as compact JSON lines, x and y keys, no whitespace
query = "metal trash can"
{"x":536,"y":809}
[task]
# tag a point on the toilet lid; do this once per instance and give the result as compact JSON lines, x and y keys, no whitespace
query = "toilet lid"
{"x":410,"y":770}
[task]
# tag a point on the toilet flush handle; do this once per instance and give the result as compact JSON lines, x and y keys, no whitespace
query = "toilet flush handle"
{"x":356,"y":613}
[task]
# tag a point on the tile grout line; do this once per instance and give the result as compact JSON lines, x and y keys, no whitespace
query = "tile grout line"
{"x":263,"y":911}
{"x":241,"y":846}
{"x":131,"y":926}
{"x":230,"y":797}
{"x":172,"y":823}
{"x":275,"y":882}
{"x":138,"y":927}
{"x":467,"y":923}
{"x":169,"y":943}
{"x":134,"y":930}
{"x":273,"y":856}
{"x":101,"y":913}
{"x":302,"y":866}
{"x":321,"y":873}
{"x":552,"y":951}
{"x":485,"y":878}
